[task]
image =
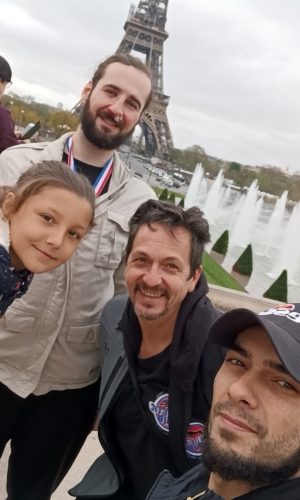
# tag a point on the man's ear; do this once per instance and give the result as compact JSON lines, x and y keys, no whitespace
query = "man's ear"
{"x":195,"y":278}
{"x":8,"y":205}
{"x":86,"y":91}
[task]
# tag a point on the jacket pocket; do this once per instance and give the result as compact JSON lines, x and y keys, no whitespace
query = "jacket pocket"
{"x":84,"y":338}
{"x":17,"y":334}
{"x":113,"y":240}
{"x":17,"y":323}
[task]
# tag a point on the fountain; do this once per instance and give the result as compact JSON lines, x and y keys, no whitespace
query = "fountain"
{"x":194,"y":190}
{"x":275,"y":220}
{"x":289,"y":256}
{"x":248,"y":215}
{"x":212,"y":202}
{"x":275,"y":242}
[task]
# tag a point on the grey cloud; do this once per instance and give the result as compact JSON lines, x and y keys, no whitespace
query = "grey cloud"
{"x":231,"y":68}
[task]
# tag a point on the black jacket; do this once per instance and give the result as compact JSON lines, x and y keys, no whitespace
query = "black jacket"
{"x":194,"y":364}
{"x":194,"y":485}
{"x":13,"y":284}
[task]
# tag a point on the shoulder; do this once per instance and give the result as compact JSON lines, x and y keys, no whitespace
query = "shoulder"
{"x":135,"y":182}
{"x":111,"y":334}
{"x":113,"y":311}
{"x":4,"y":112}
{"x":134,"y":193}
{"x":22,"y":151}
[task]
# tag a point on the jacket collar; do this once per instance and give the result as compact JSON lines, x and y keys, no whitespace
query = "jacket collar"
{"x":121,"y":174}
{"x":194,"y":482}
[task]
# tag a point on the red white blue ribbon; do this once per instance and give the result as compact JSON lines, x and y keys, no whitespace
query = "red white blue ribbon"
{"x":102,"y":177}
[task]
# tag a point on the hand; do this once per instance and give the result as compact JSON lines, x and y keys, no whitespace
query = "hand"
{"x":18,"y":133}
{"x":25,"y":140}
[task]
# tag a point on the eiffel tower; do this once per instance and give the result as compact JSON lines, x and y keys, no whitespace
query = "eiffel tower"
{"x":145,"y":33}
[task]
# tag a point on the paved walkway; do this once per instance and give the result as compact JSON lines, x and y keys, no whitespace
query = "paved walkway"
{"x":90,"y":451}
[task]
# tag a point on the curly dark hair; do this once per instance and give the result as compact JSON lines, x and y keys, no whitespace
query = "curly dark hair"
{"x":170,"y":215}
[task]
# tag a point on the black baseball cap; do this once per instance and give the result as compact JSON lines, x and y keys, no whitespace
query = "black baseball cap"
{"x":281,"y":323}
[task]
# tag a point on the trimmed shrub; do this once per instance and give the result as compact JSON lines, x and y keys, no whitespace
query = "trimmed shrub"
{"x":164,"y":195}
{"x":244,"y":264}
{"x":172,"y":198}
{"x":181,"y":203}
{"x":221,"y":245}
{"x":279,"y":289}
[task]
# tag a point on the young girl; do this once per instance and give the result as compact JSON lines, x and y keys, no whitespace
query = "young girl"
{"x":44,"y":217}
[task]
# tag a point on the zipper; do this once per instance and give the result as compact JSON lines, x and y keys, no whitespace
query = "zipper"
{"x":102,"y":434}
{"x":111,"y":377}
{"x":163,"y":473}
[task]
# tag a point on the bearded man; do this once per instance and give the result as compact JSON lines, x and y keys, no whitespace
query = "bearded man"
{"x":49,"y":389}
{"x":251,"y":447}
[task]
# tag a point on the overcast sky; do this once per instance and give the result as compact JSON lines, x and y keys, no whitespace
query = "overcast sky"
{"x":231,"y":67}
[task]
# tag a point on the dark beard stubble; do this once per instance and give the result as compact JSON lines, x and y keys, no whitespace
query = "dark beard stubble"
{"x":268,"y":464}
{"x":100,"y":139}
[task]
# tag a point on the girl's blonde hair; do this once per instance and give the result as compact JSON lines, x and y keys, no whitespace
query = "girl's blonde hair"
{"x":50,"y":174}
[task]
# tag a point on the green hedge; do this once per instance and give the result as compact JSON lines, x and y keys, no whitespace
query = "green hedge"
{"x":164,"y":195}
{"x":172,"y":198}
{"x":244,"y":264}
{"x":221,"y":245}
{"x":181,"y":203}
{"x":279,"y":289}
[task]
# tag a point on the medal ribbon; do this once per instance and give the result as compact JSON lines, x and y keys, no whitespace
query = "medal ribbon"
{"x":102,"y":177}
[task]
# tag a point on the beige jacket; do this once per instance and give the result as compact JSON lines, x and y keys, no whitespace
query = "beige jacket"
{"x":49,"y":339}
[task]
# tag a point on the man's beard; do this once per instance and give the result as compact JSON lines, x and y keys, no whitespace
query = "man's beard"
{"x":100,"y":139}
{"x":146,"y":313}
{"x":269,"y":462}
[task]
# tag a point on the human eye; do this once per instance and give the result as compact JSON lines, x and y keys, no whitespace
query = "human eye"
{"x":140,"y":260}
{"x":286,"y":385}
{"x":47,"y":218}
{"x":171,"y":266}
{"x":110,"y":92}
{"x":133,"y":105}
{"x":74,"y":235}
{"x":234,"y":361}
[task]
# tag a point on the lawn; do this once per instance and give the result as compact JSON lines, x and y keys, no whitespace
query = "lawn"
{"x":158,"y":191}
{"x":216,"y":275}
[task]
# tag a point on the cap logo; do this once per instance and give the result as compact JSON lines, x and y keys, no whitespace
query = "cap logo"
{"x":285,"y":310}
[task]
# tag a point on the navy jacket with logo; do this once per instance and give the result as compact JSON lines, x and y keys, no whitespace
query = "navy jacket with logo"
{"x":107,"y":473}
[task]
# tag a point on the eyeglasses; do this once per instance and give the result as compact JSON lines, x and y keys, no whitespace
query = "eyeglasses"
{"x":9,"y":84}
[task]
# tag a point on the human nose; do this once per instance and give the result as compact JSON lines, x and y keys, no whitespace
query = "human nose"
{"x":152,"y":277}
{"x":243,"y":390}
{"x":55,"y":238}
{"x":117,"y":107}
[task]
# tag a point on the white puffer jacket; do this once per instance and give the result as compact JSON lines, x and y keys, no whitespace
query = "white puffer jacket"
{"x":49,"y":339}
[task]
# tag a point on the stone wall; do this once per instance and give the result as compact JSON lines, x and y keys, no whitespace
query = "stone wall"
{"x":225,"y":299}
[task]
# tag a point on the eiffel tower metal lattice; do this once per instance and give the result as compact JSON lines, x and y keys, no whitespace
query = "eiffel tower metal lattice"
{"x":145,"y":33}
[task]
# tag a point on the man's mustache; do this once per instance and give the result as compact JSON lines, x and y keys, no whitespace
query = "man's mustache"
{"x":235,"y":412}
{"x":153,"y":289}
{"x":108,"y":117}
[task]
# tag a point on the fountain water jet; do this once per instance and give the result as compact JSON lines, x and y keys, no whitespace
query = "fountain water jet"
{"x":289,"y":256}
{"x":212,"y":202}
{"x":275,"y":220}
{"x":194,"y":190}
{"x":249,"y":213}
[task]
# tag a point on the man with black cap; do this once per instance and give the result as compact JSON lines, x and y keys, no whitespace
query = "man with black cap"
{"x":251,"y":447}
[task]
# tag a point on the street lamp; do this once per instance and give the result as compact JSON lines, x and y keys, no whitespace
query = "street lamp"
{"x":21,"y":117}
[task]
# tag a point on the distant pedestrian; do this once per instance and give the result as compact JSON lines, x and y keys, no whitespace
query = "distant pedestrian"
{"x":8,"y":137}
